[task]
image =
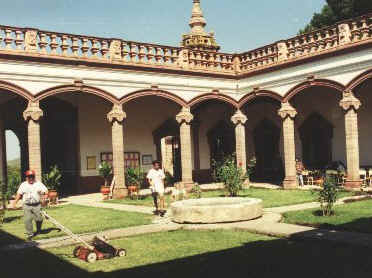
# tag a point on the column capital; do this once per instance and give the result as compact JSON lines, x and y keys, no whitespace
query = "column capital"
{"x":239,"y":118}
{"x":349,"y":101}
{"x":286,"y":110}
{"x":33,"y":111}
{"x":116,"y":114}
{"x":184,"y":116}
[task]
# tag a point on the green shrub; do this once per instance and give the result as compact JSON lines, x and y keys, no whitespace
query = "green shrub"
{"x":14,"y":180}
{"x":3,"y":203}
{"x":231,"y":175}
{"x":327,"y":196}
{"x":52,"y":179}
{"x":105,"y":170}
{"x":135,"y":177}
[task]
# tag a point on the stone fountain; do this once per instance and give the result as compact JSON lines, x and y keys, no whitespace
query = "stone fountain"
{"x":216,"y":210}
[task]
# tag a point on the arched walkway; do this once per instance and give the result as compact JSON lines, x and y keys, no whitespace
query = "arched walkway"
{"x":316,"y":135}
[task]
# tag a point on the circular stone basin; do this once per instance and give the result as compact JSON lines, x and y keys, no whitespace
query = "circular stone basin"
{"x":216,"y":210}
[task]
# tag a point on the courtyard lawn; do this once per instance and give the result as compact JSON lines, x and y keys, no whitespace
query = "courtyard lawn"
{"x":79,"y":219}
{"x":198,"y":254}
{"x":356,"y":217}
{"x":270,"y":197}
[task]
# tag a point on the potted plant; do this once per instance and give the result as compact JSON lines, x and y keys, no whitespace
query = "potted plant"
{"x":105,"y":171}
{"x":52,"y":181}
{"x":134,"y":178}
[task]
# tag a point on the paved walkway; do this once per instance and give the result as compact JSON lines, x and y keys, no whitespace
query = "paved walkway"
{"x":95,"y":200}
{"x":269,"y":225}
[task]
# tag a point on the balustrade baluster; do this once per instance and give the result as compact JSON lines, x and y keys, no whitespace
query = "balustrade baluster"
{"x":104,"y":49}
{"x":75,"y":46}
{"x":150,"y":54}
{"x":95,"y":48}
{"x":43,"y":43}
{"x":8,"y":39}
{"x":53,"y":44}
{"x":19,"y":40}
{"x":65,"y":45}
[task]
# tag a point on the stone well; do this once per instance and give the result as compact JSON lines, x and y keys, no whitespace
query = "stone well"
{"x":216,"y":210}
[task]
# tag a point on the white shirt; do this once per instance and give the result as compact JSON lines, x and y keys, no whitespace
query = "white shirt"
{"x":31,"y":192}
{"x":157,"y":179}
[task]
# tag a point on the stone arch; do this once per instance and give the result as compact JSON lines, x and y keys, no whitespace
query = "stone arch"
{"x":76,"y":88}
{"x":262,"y":93}
{"x":211,"y":96}
{"x":313,"y":83}
{"x":153,"y":92}
{"x":359,"y":79}
{"x":5,"y":85}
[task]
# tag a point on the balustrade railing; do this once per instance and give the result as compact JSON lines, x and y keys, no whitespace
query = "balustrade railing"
{"x":29,"y":41}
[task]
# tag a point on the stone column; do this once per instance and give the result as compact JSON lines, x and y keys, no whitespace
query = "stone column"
{"x":32,"y":115}
{"x":239,"y":120}
{"x":116,"y":117}
{"x":288,"y":113}
{"x":184,"y":118}
{"x":195,"y":134}
{"x":350,"y":104}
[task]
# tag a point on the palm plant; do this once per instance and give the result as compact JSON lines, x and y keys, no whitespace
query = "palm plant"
{"x":105,"y":170}
{"x":52,"y":180}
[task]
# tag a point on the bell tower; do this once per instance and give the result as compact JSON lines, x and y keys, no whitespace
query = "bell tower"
{"x":198,"y":38}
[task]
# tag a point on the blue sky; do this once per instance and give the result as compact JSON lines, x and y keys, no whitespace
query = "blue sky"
{"x":240,"y":25}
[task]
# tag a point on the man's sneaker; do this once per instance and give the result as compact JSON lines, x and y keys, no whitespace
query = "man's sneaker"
{"x":29,"y":238}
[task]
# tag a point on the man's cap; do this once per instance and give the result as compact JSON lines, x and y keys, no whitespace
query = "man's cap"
{"x":29,"y":173}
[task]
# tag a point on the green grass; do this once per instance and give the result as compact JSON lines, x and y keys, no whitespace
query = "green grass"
{"x":270,"y":197}
{"x":197,"y":254}
{"x":79,"y":219}
{"x":356,"y":217}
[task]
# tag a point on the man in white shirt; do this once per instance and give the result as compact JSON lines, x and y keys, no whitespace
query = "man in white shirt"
{"x":31,"y":192}
{"x":156,"y":178}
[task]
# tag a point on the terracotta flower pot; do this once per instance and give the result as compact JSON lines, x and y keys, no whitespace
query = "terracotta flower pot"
{"x":53,"y":195}
{"x":105,"y":190}
{"x":319,"y":182}
{"x":132,"y":191}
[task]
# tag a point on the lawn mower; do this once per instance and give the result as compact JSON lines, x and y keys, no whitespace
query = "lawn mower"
{"x":98,"y":249}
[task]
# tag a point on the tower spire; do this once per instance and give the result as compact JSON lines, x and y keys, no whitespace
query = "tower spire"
{"x":198,"y":38}
{"x":197,"y":20}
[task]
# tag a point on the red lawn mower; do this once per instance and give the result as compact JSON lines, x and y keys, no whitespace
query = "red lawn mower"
{"x":98,"y":249}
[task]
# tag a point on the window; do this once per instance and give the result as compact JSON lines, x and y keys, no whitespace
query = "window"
{"x":131,"y":159}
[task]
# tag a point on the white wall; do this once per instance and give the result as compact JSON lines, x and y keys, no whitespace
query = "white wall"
{"x":144,"y":115}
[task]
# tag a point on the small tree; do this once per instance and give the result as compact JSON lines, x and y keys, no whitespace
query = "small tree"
{"x":231,"y":175}
{"x":327,"y":196}
{"x":105,"y":170}
{"x":52,"y":179}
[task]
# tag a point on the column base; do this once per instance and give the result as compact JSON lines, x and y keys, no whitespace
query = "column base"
{"x":188,"y":185}
{"x":119,"y":193}
{"x":349,"y":184}
{"x":290,"y":183}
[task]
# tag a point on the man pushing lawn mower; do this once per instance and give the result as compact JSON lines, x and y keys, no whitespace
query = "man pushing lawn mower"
{"x":31,"y":191}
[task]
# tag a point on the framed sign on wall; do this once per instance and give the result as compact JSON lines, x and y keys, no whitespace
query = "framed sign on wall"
{"x":91,"y":162}
{"x":147,"y":159}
